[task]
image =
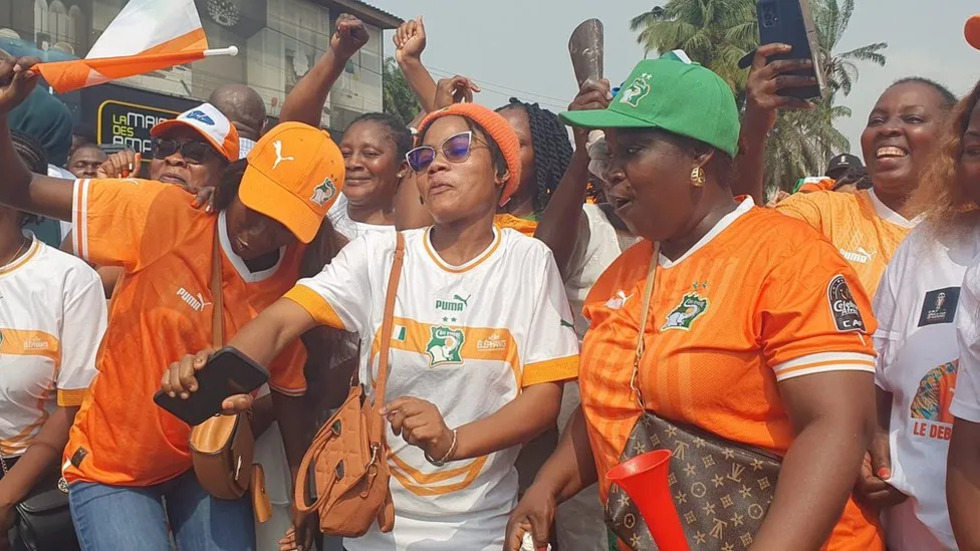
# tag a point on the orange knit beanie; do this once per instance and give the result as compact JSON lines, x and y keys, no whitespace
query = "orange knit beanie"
{"x":499,"y":131}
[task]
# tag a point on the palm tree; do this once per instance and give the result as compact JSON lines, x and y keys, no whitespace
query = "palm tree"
{"x":717,"y":33}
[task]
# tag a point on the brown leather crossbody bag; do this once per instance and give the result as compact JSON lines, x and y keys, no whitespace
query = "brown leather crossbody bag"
{"x":349,"y":454}
{"x":223,"y":447}
{"x":721,"y":489}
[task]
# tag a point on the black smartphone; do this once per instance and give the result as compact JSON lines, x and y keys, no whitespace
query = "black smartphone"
{"x":227,"y":373}
{"x":790,"y":22}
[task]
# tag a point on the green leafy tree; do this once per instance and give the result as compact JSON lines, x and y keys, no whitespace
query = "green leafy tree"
{"x":398,"y":98}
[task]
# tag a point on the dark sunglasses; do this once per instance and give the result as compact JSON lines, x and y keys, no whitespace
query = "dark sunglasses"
{"x":194,"y":151}
{"x":456,"y":149}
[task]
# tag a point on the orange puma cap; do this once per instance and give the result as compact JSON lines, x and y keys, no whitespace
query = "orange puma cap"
{"x":295,"y":173}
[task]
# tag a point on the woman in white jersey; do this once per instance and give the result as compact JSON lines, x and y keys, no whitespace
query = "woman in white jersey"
{"x":482,"y":344}
{"x":52,"y":317}
{"x":918,"y":358}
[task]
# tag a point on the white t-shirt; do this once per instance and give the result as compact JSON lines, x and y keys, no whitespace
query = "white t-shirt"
{"x":917,"y":362}
{"x":466,"y":338}
{"x":52,"y":317}
{"x":350,"y":229}
{"x":599,"y":244}
{"x":966,"y":402}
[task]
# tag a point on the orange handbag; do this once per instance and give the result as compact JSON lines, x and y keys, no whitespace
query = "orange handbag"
{"x":349,"y":454}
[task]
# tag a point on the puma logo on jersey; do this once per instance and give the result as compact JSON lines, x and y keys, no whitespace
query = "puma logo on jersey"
{"x":457,"y":304}
{"x":618,"y":301}
{"x":197,"y":303}
{"x":860,"y":256}
{"x":277,"y":145}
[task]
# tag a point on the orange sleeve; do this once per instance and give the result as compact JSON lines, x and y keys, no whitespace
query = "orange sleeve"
{"x":287,"y":370}
{"x":806,"y":207}
{"x":126,"y":223}
{"x":813,"y":314}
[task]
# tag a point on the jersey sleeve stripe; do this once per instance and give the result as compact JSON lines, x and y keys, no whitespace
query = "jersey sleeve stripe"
{"x":824,"y":369}
{"x":71,"y":398}
{"x":825,"y":357}
{"x":79,"y":215}
{"x":558,"y":369}
{"x":316,"y":306}
{"x":868,"y":363}
{"x":824,"y":362}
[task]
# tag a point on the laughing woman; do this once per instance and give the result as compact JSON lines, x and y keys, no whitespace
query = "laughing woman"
{"x":480,"y":367}
{"x":733,"y":319}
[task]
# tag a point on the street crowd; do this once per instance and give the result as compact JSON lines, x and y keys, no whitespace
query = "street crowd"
{"x":549,"y":295}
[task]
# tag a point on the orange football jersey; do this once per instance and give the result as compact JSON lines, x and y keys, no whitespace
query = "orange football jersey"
{"x":762,"y":298}
{"x":523,"y":225}
{"x":864,"y":230}
{"x":160,"y":311}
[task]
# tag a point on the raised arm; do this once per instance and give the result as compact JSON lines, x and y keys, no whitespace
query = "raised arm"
{"x":559,"y":224}
{"x":409,"y":42}
{"x":765,"y":82}
{"x":306,"y":100}
{"x":19,"y":189}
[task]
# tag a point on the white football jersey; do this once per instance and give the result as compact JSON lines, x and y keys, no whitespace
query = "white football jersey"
{"x":52,"y":317}
{"x":466,"y":338}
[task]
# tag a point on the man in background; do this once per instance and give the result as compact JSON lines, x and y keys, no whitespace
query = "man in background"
{"x":245,"y":109}
{"x":84,"y":161}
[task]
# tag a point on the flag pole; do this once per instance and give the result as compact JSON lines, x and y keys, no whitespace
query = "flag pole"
{"x":230,"y":50}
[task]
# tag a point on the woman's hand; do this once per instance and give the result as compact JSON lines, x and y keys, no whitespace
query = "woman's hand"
{"x":594,"y":94}
{"x":17,"y":80}
{"x":458,"y":89}
{"x":350,"y":35}
{"x":421,"y":425}
{"x":535,"y":512}
{"x":872,"y":486}
{"x":303,"y":538}
{"x":409,"y":40}
{"x":121,"y":164}
{"x":766,"y":80}
{"x":180,"y":380}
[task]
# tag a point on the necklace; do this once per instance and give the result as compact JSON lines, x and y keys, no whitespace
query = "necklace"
{"x":16,"y":254}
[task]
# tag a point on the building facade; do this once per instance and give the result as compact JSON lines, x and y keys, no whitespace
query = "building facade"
{"x":278,"y":40}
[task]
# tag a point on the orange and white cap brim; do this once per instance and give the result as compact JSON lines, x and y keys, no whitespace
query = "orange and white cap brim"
{"x":211,"y":124}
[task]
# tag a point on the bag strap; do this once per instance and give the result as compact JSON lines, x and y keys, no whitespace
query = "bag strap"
{"x":217,"y":295}
{"x":644,"y":315}
{"x":388,"y":322}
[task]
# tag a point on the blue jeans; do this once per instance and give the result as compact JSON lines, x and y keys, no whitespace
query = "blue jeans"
{"x":114,"y":518}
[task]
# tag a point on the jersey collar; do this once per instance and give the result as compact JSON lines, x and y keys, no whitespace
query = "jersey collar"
{"x":888,"y":215}
{"x":24,"y":258}
{"x":238,"y":262}
{"x":463,"y":267}
{"x":727,"y":220}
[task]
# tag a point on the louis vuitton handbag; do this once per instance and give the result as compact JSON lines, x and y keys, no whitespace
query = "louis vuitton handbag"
{"x":721,"y":489}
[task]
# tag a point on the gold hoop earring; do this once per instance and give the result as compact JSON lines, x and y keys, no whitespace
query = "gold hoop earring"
{"x":697,"y":177}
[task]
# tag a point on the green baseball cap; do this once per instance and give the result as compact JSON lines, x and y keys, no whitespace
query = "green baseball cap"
{"x":675,"y":95}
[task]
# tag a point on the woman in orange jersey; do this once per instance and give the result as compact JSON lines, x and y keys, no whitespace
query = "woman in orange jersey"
{"x":127,"y":461}
{"x":757,"y":332}
{"x":866,"y":226}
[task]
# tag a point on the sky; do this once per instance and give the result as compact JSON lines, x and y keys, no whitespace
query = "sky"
{"x":520,"y":47}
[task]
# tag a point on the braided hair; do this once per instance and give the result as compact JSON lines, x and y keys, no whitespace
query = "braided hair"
{"x":31,"y":152}
{"x":552,"y":149}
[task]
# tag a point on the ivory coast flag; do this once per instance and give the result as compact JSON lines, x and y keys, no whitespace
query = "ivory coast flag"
{"x":147,"y":35}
